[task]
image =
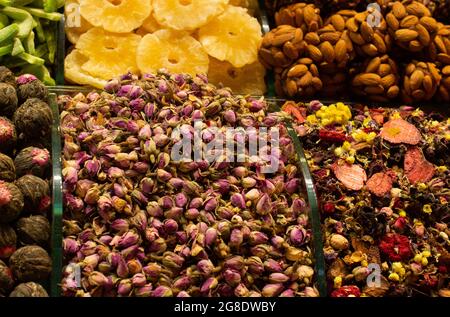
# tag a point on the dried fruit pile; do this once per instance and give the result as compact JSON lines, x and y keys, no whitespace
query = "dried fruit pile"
{"x":193,"y":37}
{"x":138,"y":222}
{"x":25,"y":199}
{"x":383,"y":180}
{"x":399,"y":51}
{"x":28,"y":37}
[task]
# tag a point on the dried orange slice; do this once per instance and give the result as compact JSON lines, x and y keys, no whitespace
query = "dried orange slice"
{"x":187,"y":15}
{"x":400,"y":131}
{"x":175,"y":51}
{"x":75,"y":74}
{"x":248,"y":80}
{"x":233,"y":36}
{"x":109,"y":54}
{"x":119,"y":16}
{"x":352,"y":176}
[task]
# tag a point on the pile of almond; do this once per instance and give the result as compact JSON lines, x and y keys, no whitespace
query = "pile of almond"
{"x":387,"y":50}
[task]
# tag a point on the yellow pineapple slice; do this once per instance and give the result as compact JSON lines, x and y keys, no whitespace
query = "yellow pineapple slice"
{"x":119,"y":16}
{"x":248,"y":80}
{"x":75,"y":24}
{"x":76,"y":75}
{"x":109,"y":54}
{"x":233,"y":36}
{"x":184,"y":15}
{"x":177,"y":52}
{"x":151,"y":25}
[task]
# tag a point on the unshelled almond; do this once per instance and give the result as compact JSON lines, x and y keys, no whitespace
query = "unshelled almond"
{"x":315,"y":53}
{"x":374,"y":90}
{"x":373,"y":66}
{"x":297,"y":70}
{"x":338,"y":22}
{"x":328,"y":51}
{"x":340,"y":51}
{"x":392,"y":21}
{"x":428,"y":84}
{"x":388,"y":81}
{"x":409,"y":21}
{"x":443,"y":58}
{"x":446,"y":70}
{"x":370,"y":49}
{"x":384,"y":70}
{"x":367,"y":79}
{"x":306,"y":80}
{"x":424,"y":36}
{"x":405,"y":35}
{"x":416,"y":79}
{"x":399,"y":10}
{"x":393,"y":92}
{"x":331,"y":37}
{"x":418,"y":9}
{"x":430,"y":23}
{"x":366,"y":31}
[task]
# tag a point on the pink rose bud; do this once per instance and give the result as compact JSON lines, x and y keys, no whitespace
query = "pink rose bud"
{"x":180,"y":200}
{"x":153,"y":209}
{"x":419,"y":230}
{"x":256,"y":105}
{"x":268,"y":187}
{"x":97,"y":279}
{"x":293,"y":185}
{"x":252,"y":194}
{"x":172,"y":260}
{"x":25,"y":79}
{"x":241,"y":290}
{"x":152,"y":270}
{"x":128,"y":239}
{"x":122,"y":268}
{"x":176,"y":183}
{"x":205,"y":267}
{"x":70,"y":175}
{"x":120,"y":225}
{"x":210,"y":284}
{"x":248,"y":182}
{"x":70,"y":246}
{"x":236,"y":238}
{"x":270,"y":120}
{"x":288,"y":293}
{"x":138,"y":280}
{"x":192,"y":214}
{"x":92,"y":195}
{"x":278,"y":278}
{"x":298,"y":206}
{"x":144,"y":291}
{"x":236,"y":263}
{"x":170,"y":226}
{"x":273,"y":266}
{"x":238,"y":200}
{"x":113,"y":258}
{"x":298,"y":236}
{"x":196,"y":202}
{"x":174,"y":213}
{"x":232,"y":278}
{"x":162,"y":291}
{"x":277,"y":241}
{"x":91,"y":261}
{"x":264,"y":205}
{"x":165,"y":202}
{"x":211,"y":204}
{"x":255,"y":265}
{"x":182,"y":283}
{"x":257,"y":237}
{"x":163,"y":175}
{"x":240,"y":171}
{"x":272,"y":290}
{"x":92,"y":167}
{"x":106,"y":239}
{"x":191,"y":188}
{"x":222,"y":186}
{"x":211,"y":236}
{"x":124,"y":287}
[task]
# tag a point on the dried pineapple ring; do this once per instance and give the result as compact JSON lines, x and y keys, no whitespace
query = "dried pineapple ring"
{"x":151,"y":25}
{"x":120,"y":16}
{"x":177,"y":52}
{"x":248,"y":80}
{"x":233,"y":36}
{"x":110,"y":54}
{"x":75,"y":24}
{"x":74,"y":73}
{"x":184,"y":15}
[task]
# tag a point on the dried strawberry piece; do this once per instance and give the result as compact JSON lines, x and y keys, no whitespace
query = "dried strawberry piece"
{"x":400,"y":131}
{"x":297,"y":112}
{"x":396,"y":246}
{"x":346,"y":291}
{"x":377,"y":115}
{"x":352,"y":176}
{"x":416,"y":167}
{"x":332,"y":136}
{"x":380,"y":184}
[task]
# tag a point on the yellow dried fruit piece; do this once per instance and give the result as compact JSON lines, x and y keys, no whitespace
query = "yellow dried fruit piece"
{"x":175,"y":51}
{"x":76,"y":75}
{"x":75,"y":24}
{"x":233,"y":36}
{"x":184,"y":15}
{"x":248,"y":80}
{"x":120,"y":16}
{"x":109,"y":54}
{"x":151,"y":25}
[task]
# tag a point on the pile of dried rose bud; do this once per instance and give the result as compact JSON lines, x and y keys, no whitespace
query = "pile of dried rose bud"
{"x":138,"y":223}
{"x":25,"y":125}
{"x":383,"y":180}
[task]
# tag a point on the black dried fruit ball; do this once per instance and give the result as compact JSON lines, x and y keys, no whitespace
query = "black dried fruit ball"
{"x":30,"y":289}
{"x":8,"y":241}
{"x":8,"y":100}
{"x":7,"y":76}
{"x":6,"y":278}
{"x":8,"y":135}
{"x":7,"y":168}
{"x":11,"y":202}
{"x":32,"y":160}
{"x":36,"y":193}
{"x":28,"y":86}
{"x":31,"y":263}
{"x":33,"y":118}
{"x":34,"y":230}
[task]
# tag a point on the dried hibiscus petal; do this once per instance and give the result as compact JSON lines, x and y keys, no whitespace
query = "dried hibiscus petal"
{"x":347,"y":291}
{"x":396,"y":247}
{"x":332,"y":136}
{"x":379,"y":184}
{"x":352,"y":176}
{"x":416,"y":167}
{"x":400,"y":131}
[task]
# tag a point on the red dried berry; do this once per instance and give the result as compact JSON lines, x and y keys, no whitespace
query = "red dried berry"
{"x":347,"y":291}
{"x":328,"y":207}
{"x":396,"y":246}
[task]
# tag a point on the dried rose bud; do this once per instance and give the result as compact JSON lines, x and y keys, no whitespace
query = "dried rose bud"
{"x":236,"y":238}
{"x":231,"y":277}
{"x":277,"y":241}
{"x":97,"y":279}
{"x":222,"y":186}
{"x":170,"y":226}
{"x":288,"y":293}
{"x":8,"y":137}
{"x":180,"y":200}
{"x":273,"y":266}
{"x":176,"y":183}
{"x":70,"y":246}
{"x":124,"y":287}
{"x":257,"y":237}
{"x":210,"y":284}
{"x":339,"y":242}
{"x":264,"y":205}
{"x":241,"y":290}
{"x":196,"y":202}
{"x":211,"y":236}
{"x":183,"y":294}
{"x":162,"y":291}
{"x":248,"y":182}
{"x":236,"y":263}
{"x":211,"y":204}
{"x":138,"y":280}
{"x":239,"y":171}
{"x":153,"y":209}
{"x":32,"y":160}
{"x":172,"y":260}
{"x":297,"y":235}
{"x":165,"y":202}
{"x":120,"y":225}
{"x":182,"y":283}
{"x":278,"y":278}
{"x":192,"y":214}
{"x":238,"y":200}
{"x":272,"y":290}
{"x":205,"y":267}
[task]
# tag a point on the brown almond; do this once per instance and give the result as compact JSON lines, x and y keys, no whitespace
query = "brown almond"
{"x":297,"y":71}
{"x":434,"y":72}
{"x":369,"y":79}
{"x":357,"y":38}
{"x":370,"y":49}
{"x":444,"y":31}
{"x":399,"y":10}
{"x":366,"y":31}
{"x":298,"y":35}
{"x":331,"y":37}
{"x":393,"y":92}
{"x":424,"y":36}
{"x":290,"y":51}
{"x":410,"y":69}
{"x":422,"y":65}
{"x":338,"y":22}
{"x":279,"y":40}
{"x":291,"y":87}
{"x":428,"y":84}
{"x":430,"y":23}
{"x":379,"y":43}
{"x":409,"y":21}
{"x":351,"y":25}
{"x":347,"y":13}
{"x":373,"y":65}
{"x":314,"y":70}
{"x":443,"y":58}
{"x":388,"y":81}
{"x":305,"y":61}
{"x":446,"y":70}
{"x":267,"y":56}
{"x":415,"y":46}
{"x":440,"y":44}
{"x":444,"y":93}
{"x":446,"y":82}
{"x":315,"y":53}
{"x":312,"y":38}
{"x":418,"y":94}
{"x":404,"y":35}
{"x":392,"y":21}
{"x":418,"y":9}
{"x":317,"y":83}
{"x":309,"y":14}
{"x":328,"y":51}
{"x":341,"y":51}
{"x":374,"y":90}
{"x":361,"y":17}
{"x":268,"y":39}
{"x":384,"y":69}
{"x":306,"y":80}
{"x":416,"y":79}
